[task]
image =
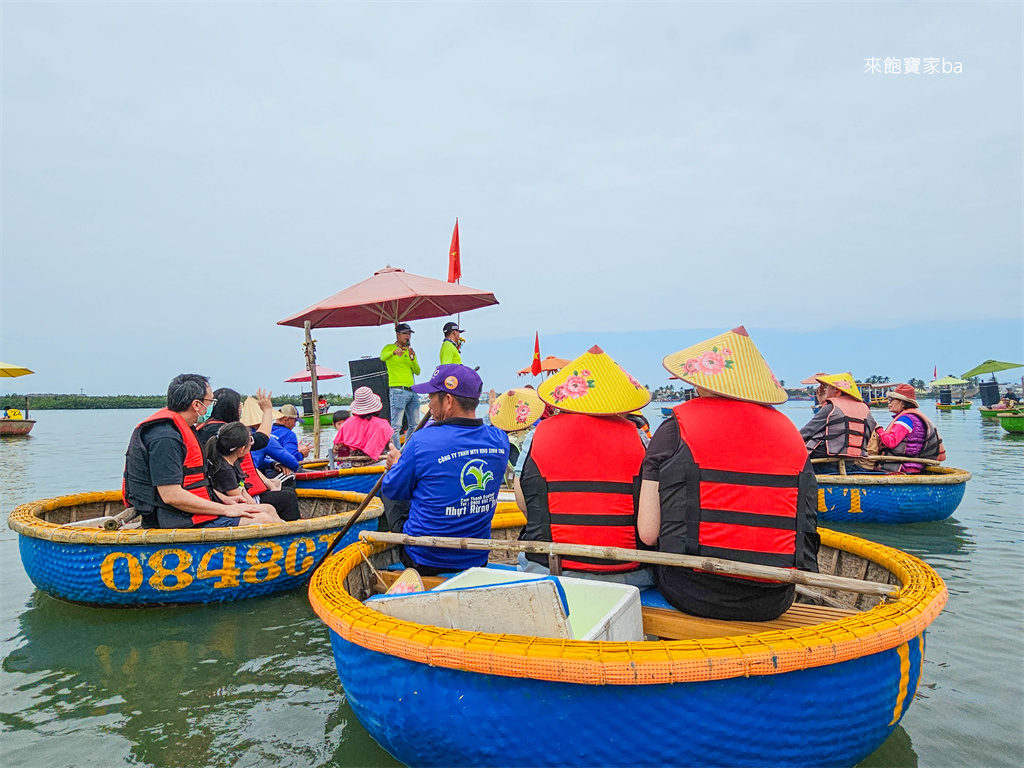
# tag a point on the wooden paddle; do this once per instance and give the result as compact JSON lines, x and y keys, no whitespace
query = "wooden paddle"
{"x":708,"y":564}
{"x":362,"y":505}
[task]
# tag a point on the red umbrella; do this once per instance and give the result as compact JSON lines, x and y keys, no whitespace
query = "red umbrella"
{"x":392,"y":295}
{"x":549,"y":364}
{"x":303,"y":377}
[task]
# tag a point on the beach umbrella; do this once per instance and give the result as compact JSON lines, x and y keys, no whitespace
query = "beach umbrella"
{"x":948,"y":381}
{"x":11,"y":371}
{"x":391,"y":296}
{"x":991,"y":366}
{"x":812,"y":379}
{"x":322,"y":373}
{"x":548,"y":365}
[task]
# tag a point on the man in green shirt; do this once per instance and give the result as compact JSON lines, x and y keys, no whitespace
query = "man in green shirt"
{"x":451,"y":345}
{"x":403,"y":366}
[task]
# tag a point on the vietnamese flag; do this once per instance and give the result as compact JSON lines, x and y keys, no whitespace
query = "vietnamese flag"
{"x":454,"y":257}
{"x":535,"y":367}
{"x":935,"y":373}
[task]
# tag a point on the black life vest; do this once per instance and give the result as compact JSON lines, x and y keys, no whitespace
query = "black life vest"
{"x":581,"y":482}
{"x":137,"y":486}
{"x":254,"y":484}
{"x":737,"y":488}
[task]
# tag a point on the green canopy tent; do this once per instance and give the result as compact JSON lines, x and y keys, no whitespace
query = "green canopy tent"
{"x":991,"y":366}
{"x":948,"y":381}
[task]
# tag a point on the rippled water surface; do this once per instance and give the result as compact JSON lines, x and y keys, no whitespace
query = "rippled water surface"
{"x":253,"y":683}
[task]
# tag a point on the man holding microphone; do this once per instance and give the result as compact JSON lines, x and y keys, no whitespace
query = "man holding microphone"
{"x":400,"y":359}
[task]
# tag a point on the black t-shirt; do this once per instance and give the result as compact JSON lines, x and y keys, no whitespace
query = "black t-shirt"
{"x":707,"y":594}
{"x":166,"y":451}
{"x":224,"y":477}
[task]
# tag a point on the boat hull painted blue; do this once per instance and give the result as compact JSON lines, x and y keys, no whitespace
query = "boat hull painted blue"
{"x":124,"y":574}
{"x":356,"y":483}
{"x":834,"y":715}
{"x":888,"y":504}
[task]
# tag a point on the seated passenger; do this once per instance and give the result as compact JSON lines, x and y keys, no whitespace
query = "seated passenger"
{"x":728,"y":476}
{"x":261,"y":488}
{"x":338,"y":449}
{"x":164,"y":474}
{"x":910,"y":433}
{"x":449,"y":471}
{"x":322,"y":405}
{"x":365,"y":434}
{"x":223,"y":453}
{"x":581,"y":474}
{"x":843,"y":425}
{"x":284,"y":430}
{"x":272,"y":458}
{"x":516,"y":412}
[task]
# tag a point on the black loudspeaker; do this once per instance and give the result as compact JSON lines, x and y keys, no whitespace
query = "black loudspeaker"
{"x":307,"y":404}
{"x":945,"y":396}
{"x":371,"y":372}
{"x":989,"y":393}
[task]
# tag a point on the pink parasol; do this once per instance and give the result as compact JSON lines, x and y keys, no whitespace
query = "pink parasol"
{"x":391,"y":296}
{"x":548,"y":365}
{"x":303,"y":377}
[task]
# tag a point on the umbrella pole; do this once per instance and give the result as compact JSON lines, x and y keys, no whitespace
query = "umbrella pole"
{"x":311,"y":365}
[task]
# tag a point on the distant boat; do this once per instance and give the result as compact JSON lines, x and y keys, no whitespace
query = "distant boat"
{"x":964,"y":406}
{"x":16,"y":426}
{"x":1012,"y":423}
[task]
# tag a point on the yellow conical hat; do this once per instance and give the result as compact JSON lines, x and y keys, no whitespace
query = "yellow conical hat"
{"x":516,"y":409}
{"x":594,"y":384}
{"x":728,"y":365}
{"x":843,"y":382}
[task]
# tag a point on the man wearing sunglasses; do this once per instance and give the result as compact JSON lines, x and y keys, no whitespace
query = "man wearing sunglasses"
{"x":164,"y":474}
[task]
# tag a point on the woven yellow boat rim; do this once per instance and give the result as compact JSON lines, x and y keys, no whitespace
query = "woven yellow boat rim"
{"x":516,"y":409}
{"x":730,"y":365}
{"x":594,"y":384}
{"x":26,"y":521}
{"x":883,"y":627}
{"x":843,"y":382}
{"x":934,"y":476}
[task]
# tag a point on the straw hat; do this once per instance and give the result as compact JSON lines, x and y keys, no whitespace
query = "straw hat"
{"x":516,"y":409}
{"x":365,"y":401}
{"x":728,"y":365}
{"x":252,"y":414}
{"x":843,"y":382}
{"x":906,"y":393}
{"x":594,"y":384}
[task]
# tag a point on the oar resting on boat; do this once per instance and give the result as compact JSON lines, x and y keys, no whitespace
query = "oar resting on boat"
{"x":709,"y":564}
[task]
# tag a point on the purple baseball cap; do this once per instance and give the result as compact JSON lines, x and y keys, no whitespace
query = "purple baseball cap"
{"x":453,"y":380}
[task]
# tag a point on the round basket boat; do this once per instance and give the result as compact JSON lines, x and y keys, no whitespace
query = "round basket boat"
{"x":16,"y":426}
{"x":929,"y":496}
{"x":355,"y":479}
{"x":140,"y":567}
{"x":819,"y":686}
{"x":954,"y":407}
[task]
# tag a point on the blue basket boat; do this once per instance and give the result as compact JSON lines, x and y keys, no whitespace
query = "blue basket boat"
{"x":826,"y":687}
{"x":929,"y":496}
{"x":142,"y":567}
{"x":355,"y":479}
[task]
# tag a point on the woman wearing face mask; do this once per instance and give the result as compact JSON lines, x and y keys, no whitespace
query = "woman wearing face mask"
{"x":228,"y":408}
{"x":223,"y":452}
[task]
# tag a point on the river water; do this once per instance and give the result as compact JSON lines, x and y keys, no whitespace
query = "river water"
{"x":253,"y":682}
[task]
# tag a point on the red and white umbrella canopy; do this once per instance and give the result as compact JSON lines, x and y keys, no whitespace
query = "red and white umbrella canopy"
{"x":321,"y":374}
{"x":392,"y":295}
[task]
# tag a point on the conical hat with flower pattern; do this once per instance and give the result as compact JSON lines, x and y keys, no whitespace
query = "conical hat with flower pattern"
{"x":843,"y":382}
{"x":516,"y":409}
{"x":728,"y":365}
{"x":594,"y":384}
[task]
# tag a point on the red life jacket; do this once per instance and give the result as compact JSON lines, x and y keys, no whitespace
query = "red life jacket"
{"x":737,"y":488}
{"x":194,"y":466}
{"x":590,"y":468}
{"x":846,"y":428}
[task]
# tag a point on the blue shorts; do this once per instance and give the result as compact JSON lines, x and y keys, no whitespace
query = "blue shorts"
{"x":219,"y":522}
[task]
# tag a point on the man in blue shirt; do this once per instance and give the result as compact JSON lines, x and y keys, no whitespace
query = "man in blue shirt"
{"x":450,"y":473}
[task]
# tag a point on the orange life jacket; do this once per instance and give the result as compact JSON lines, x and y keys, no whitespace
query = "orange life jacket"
{"x":735,"y":488}
{"x":194,"y":465}
{"x":583,"y":476}
{"x":846,"y":427}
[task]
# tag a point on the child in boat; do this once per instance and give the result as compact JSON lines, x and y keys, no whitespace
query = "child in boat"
{"x":223,"y":454}
{"x":338,"y":449}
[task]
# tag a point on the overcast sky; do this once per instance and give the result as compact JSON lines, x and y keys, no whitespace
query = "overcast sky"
{"x":177,"y":177}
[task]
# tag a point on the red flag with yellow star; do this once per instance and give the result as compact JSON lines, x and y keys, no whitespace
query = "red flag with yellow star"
{"x":454,"y":257}
{"x":535,"y":367}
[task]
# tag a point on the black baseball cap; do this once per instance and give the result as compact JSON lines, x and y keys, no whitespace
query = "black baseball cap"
{"x":403,"y":328}
{"x":449,"y":327}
